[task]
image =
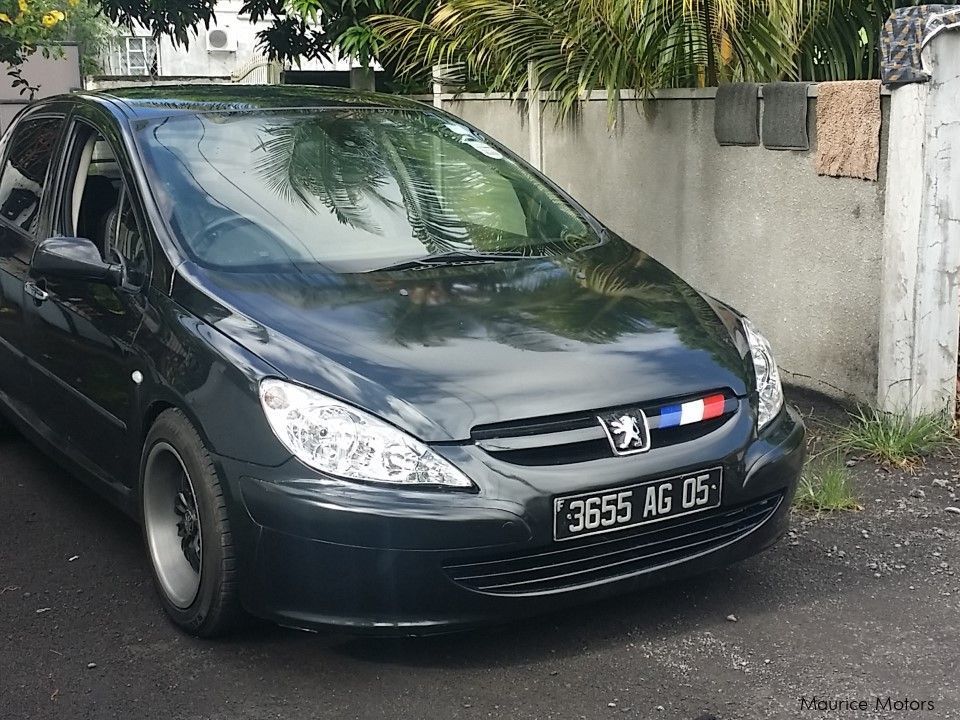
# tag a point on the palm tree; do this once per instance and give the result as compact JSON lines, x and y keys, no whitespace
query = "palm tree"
{"x":843,"y":38}
{"x":580,"y":45}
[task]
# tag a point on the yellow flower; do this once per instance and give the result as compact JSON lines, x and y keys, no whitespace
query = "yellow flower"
{"x":23,"y":5}
{"x":5,"y":18}
{"x":51,"y":18}
{"x":73,"y":3}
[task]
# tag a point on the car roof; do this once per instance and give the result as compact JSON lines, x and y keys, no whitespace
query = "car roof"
{"x":166,"y":100}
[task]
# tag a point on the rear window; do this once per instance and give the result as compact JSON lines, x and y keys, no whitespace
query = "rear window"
{"x":351,"y":190}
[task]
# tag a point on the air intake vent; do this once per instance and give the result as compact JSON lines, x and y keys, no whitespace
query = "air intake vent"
{"x":605,"y":559}
{"x":578,"y":437}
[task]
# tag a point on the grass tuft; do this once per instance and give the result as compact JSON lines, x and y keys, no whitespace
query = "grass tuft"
{"x":826,"y":487}
{"x":895,"y":438}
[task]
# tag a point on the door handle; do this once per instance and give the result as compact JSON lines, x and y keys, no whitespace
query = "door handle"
{"x":35,"y":291}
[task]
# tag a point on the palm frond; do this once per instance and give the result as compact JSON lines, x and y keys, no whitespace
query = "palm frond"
{"x":582,"y":45}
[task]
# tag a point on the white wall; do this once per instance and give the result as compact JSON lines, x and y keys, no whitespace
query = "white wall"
{"x":200,"y":61}
{"x":51,"y":75}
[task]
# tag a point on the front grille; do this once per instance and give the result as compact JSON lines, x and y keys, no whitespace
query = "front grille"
{"x":578,"y":437}
{"x":601,"y":558}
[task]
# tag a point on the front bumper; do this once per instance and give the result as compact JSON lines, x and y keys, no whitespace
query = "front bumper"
{"x":391,"y":560}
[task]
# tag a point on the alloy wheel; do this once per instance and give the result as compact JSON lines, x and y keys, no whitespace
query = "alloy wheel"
{"x":172,"y":525}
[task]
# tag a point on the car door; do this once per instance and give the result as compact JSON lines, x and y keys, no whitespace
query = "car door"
{"x":28,"y":148}
{"x":80,"y":333}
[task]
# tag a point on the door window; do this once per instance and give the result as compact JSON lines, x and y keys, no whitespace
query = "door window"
{"x":102,"y":209}
{"x":125,"y":242}
{"x":31,"y":148}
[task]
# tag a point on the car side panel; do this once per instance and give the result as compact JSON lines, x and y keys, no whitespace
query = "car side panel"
{"x":13,"y":372}
{"x":191,"y":365}
{"x":79,"y":338}
{"x":185,"y":362}
{"x":16,"y":249}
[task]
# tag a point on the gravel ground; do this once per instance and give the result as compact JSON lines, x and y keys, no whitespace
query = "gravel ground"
{"x":853,"y":607}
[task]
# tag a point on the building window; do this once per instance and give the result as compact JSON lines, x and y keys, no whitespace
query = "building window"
{"x":134,"y":55}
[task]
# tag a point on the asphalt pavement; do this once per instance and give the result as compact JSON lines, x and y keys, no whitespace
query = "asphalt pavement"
{"x":863,"y":606}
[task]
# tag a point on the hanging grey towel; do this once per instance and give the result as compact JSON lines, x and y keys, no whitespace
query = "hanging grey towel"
{"x":785,"y":116}
{"x":736,"y":113}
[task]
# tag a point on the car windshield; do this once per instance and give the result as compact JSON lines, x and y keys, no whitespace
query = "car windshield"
{"x":352,"y":190}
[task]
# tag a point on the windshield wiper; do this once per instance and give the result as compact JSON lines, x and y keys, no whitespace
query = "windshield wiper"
{"x":454,"y":257}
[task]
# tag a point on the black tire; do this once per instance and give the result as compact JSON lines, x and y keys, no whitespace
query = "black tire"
{"x":173,"y":446}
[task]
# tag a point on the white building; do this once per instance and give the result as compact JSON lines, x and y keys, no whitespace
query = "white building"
{"x":227,"y":49}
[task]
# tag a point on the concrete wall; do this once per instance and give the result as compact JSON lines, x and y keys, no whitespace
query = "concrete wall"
{"x":921,"y":268}
{"x":498,"y":117}
{"x":52,"y":76}
{"x":757,"y":228}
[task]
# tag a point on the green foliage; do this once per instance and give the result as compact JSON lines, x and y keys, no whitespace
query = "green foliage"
{"x":361,"y":42}
{"x":598,"y":44}
{"x":175,"y":18}
{"x":895,"y":438}
{"x":87,"y":26}
{"x":575,"y":45}
{"x":843,"y":39}
{"x":25,"y":27}
{"x":825,"y":486}
{"x":582,"y":45}
{"x":312,"y":29}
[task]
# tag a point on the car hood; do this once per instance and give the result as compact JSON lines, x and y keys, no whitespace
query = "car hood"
{"x":441,"y":350}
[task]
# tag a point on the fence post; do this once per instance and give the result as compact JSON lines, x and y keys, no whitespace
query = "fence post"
{"x":535,"y":116}
{"x":437,"y":87}
{"x":362,"y":78}
{"x":920,"y":293}
{"x":447,"y":79}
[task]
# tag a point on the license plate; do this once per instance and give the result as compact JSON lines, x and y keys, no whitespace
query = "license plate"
{"x":647,"y":502}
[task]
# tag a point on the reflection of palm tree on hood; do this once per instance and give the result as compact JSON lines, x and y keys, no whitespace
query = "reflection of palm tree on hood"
{"x":589,"y":297}
{"x":346,"y":165}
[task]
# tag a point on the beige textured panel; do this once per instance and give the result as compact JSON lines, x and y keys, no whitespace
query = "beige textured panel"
{"x":848,"y":129}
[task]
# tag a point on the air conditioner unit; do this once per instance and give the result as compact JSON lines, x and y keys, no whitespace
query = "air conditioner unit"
{"x":221,"y":40}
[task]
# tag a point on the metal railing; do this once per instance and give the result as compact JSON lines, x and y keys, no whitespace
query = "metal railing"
{"x":257,"y":72}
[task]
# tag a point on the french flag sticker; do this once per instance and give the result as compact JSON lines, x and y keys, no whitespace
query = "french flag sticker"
{"x":690,"y":412}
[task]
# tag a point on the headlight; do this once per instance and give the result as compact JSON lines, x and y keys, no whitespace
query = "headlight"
{"x":336,"y":438}
{"x":768,"y":377}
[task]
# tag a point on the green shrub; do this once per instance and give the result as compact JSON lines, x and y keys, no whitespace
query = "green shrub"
{"x":825,"y":486}
{"x":895,"y":438}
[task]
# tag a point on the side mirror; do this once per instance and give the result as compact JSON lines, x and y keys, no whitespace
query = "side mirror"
{"x":74,"y":258}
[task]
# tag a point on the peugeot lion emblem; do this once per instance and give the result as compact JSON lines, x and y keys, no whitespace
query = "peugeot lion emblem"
{"x":627,"y":431}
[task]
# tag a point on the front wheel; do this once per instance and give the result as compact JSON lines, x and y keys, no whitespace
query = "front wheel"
{"x":186,"y":528}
